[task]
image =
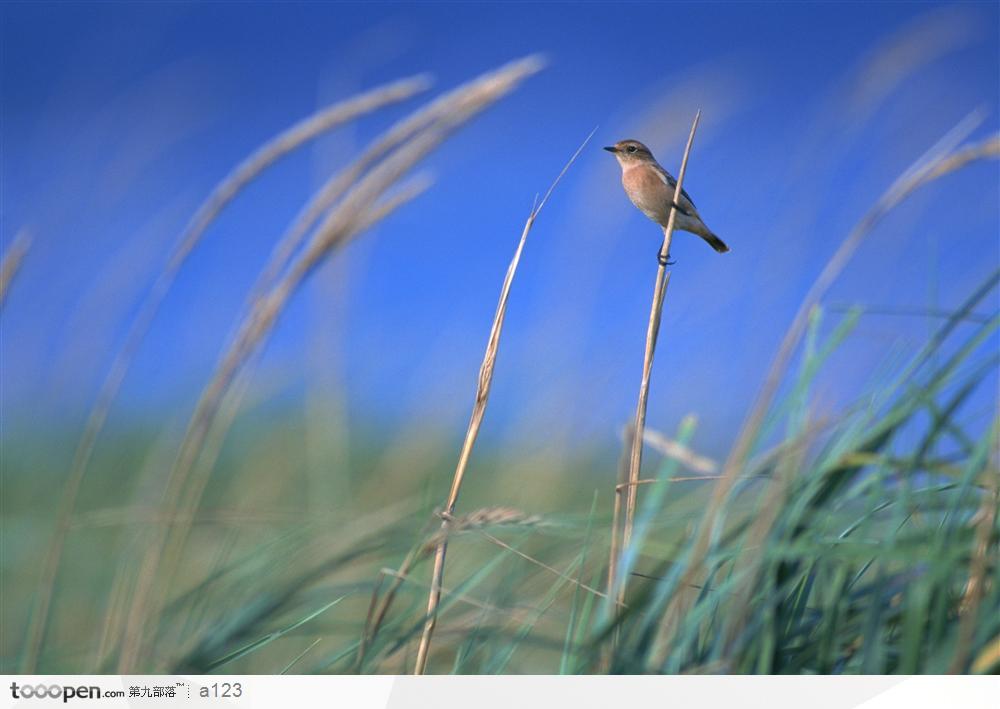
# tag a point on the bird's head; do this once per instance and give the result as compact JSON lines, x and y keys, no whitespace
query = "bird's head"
{"x":630,"y":152}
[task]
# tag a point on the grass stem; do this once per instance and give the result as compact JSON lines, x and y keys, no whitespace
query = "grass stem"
{"x":617,"y":585}
{"x":472,"y":432}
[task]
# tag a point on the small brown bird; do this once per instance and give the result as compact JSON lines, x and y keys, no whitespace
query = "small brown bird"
{"x":653,"y":190}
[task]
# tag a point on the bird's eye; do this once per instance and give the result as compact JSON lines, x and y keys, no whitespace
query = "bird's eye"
{"x":631,"y":148}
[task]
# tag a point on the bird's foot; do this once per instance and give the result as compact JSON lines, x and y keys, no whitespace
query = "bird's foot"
{"x":664,"y":259}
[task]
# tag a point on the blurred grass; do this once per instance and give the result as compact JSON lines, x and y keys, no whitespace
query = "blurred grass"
{"x":868,"y":559}
{"x":864,"y":541}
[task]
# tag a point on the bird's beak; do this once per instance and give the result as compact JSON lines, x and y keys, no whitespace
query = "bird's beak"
{"x":611,"y":149}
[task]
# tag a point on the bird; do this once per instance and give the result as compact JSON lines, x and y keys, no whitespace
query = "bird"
{"x":654,"y":190}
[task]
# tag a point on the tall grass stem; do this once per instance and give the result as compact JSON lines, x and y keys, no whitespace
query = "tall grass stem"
{"x":485,"y":382}
{"x":617,"y":585}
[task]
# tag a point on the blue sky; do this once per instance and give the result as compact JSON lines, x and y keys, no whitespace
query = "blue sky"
{"x":117,"y":119}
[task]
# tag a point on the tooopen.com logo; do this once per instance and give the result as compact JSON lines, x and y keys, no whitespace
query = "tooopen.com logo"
{"x":55,"y":691}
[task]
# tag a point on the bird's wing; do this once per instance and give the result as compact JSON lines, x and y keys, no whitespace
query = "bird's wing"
{"x":669,"y":179}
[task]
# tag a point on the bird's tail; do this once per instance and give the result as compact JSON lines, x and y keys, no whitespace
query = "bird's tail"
{"x":715,"y":242}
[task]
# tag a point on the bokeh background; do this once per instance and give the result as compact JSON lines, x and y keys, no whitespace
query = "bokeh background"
{"x":118,"y":119}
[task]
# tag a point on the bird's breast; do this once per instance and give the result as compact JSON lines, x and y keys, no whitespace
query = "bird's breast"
{"x":648,"y":191}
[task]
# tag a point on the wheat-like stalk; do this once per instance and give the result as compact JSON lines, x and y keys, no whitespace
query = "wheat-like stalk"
{"x":681,"y":453}
{"x":616,"y":585}
{"x":183,"y":493}
{"x":342,"y":223}
{"x":221,"y":195}
{"x":393,"y":137}
{"x":475,"y":422}
{"x":483,"y":518}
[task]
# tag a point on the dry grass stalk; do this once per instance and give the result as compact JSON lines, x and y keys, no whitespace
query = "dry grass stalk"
{"x":541,"y":564}
{"x":12,"y":261}
{"x":183,"y":493}
{"x":222,"y":194}
{"x":680,"y":479}
{"x":184,"y":489}
{"x":232,"y":400}
{"x":941,"y":160}
{"x":472,"y":432}
{"x":975,"y":587}
{"x":340,"y":223}
{"x":346,"y":220}
{"x":620,"y":488}
{"x":482,"y":518}
{"x":335,"y":187}
{"x":376,"y":610}
{"x":652,"y":332}
{"x":475,"y":521}
{"x":989,"y":659}
{"x":467,"y":600}
{"x":464,"y":103}
{"x":628,"y":440}
{"x":681,"y":453}
{"x":110,"y":627}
